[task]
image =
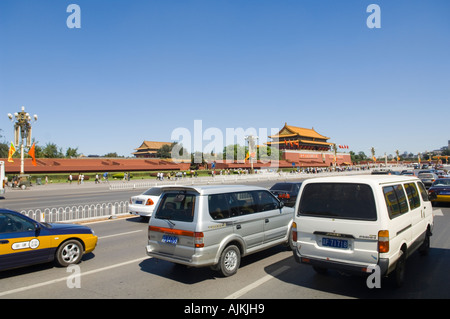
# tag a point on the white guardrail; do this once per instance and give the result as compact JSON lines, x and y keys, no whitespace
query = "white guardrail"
{"x":78,"y":213}
{"x":111,"y":210}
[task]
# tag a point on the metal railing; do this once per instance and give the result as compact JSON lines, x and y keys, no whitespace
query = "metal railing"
{"x":78,"y":213}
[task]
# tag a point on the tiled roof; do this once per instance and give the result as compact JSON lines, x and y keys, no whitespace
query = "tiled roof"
{"x":291,"y":131}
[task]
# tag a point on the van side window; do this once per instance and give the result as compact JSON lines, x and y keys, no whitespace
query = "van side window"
{"x":423,"y":192}
{"x":266,"y":201}
{"x":413,"y":195}
{"x":218,"y":206}
{"x":395,"y":200}
{"x":247,"y":204}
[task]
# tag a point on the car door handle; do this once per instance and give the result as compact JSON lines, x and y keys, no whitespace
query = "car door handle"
{"x":238,"y":226}
{"x":4,"y":241}
{"x":267,"y":220}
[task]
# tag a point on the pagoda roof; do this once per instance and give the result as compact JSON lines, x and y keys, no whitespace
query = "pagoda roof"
{"x":152,"y":145}
{"x":294,"y":131}
{"x":301,"y":141}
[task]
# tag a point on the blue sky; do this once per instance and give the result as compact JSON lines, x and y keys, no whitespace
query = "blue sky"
{"x":137,"y":70}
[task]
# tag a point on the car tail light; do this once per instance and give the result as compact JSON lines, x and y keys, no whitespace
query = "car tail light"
{"x":294,"y":232}
{"x":383,"y":241}
{"x":149,"y":202}
{"x":198,"y":240}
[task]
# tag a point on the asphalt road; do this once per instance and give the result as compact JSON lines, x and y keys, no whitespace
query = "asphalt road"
{"x":119,"y":268}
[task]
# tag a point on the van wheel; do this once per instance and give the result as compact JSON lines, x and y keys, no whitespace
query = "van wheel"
{"x":400,"y":269}
{"x":230,"y":260}
{"x":425,"y":247}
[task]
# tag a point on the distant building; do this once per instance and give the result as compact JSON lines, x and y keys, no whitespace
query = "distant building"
{"x":306,"y":147}
{"x":148,"y":149}
{"x":299,"y":138}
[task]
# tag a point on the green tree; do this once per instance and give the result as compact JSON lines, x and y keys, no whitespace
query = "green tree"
{"x":51,"y":151}
{"x":72,"y":152}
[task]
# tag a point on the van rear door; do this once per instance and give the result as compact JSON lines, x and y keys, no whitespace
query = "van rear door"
{"x":172,"y":228}
{"x":338,"y":222}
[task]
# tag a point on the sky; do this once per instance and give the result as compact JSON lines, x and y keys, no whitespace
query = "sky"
{"x":141,"y":70}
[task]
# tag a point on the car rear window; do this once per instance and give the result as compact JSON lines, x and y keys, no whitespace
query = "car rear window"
{"x":338,"y":200}
{"x":154,"y":191}
{"x":282,"y":186}
{"x":176,"y":207}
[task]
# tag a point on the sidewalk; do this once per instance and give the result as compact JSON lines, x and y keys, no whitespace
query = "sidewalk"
{"x":206,"y":180}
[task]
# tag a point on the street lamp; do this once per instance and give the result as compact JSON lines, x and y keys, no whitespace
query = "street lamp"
{"x":251,"y":149}
{"x":22,"y":130}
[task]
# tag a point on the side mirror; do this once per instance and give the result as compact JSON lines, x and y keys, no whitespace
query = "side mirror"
{"x":37,"y":229}
{"x":281,"y":205}
{"x":432,"y":196}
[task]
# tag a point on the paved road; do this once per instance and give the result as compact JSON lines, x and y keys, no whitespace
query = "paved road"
{"x":119,"y":268}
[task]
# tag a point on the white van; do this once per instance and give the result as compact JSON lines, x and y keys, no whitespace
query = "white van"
{"x":216,"y":225}
{"x":358,"y":223}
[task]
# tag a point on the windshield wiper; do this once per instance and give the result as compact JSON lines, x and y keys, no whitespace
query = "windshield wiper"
{"x":168,"y":220}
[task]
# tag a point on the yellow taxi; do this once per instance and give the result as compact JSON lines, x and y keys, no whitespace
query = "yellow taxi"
{"x":24,"y":241}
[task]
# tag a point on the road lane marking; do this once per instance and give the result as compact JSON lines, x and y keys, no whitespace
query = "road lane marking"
{"x":84,"y":273}
{"x":257,"y":283}
{"x":120,"y":234}
{"x":438,"y":212}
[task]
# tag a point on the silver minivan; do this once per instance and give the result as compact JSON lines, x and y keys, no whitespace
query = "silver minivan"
{"x":216,"y":225}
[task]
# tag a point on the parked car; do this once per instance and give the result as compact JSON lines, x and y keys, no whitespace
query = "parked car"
{"x":24,"y":241}
{"x":144,"y":204}
{"x":357,"y":223}
{"x":216,"y":225}
{"x":427,"y":178}
{"x":286,"y":192}
{"x":440,"y":190}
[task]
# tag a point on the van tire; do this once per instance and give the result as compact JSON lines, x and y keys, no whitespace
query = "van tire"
{"x":425,"y":247}
{"x":400,"y":268}
{"x":229,"y":262}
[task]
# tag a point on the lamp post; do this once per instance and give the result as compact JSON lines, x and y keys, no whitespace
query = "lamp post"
{"x":251,"y":149}
{"x":22,"y":130}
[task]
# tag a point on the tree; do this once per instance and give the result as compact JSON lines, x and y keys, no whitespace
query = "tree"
{"x":51,"y":151}
{"x":72,"y":152}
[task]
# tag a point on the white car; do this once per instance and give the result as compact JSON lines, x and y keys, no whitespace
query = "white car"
{"x":144,"y":204}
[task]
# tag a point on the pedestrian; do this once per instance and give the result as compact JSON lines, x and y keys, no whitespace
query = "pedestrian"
{"x":70,"y":178}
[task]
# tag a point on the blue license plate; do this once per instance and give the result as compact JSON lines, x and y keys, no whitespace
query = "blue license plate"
{"x":138,"y":202}
{"x":335,"y":243}
{"x":170,"y":239}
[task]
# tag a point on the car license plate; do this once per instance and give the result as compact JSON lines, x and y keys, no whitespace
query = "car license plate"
{"x":170,"y":239}
{"x":138,"y":202}
{"x":335,"y":243}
